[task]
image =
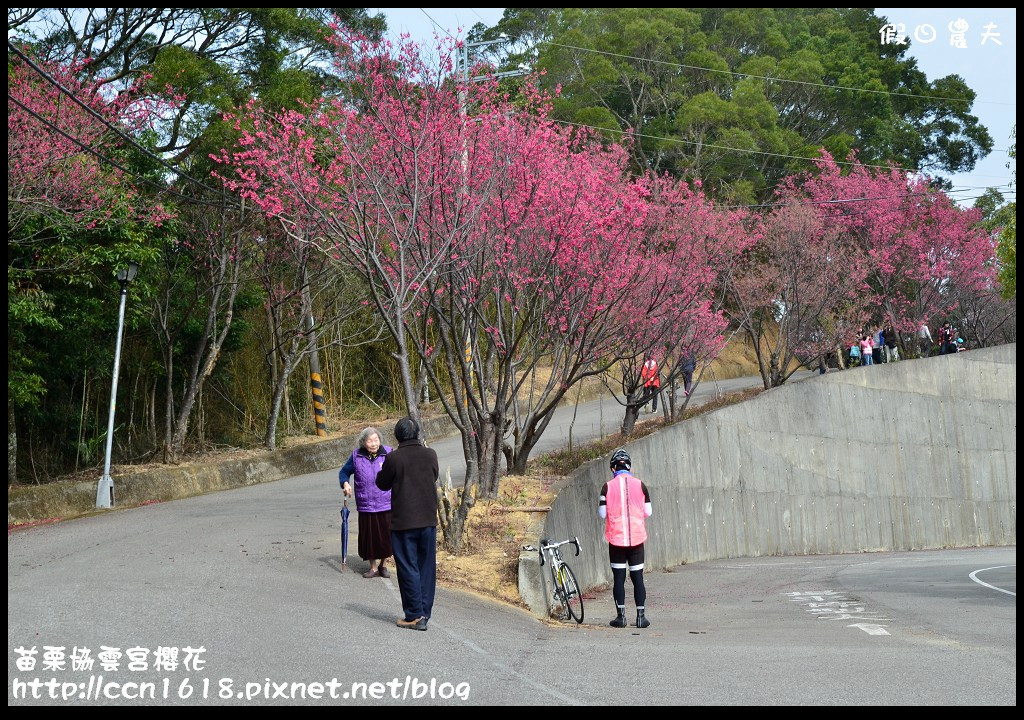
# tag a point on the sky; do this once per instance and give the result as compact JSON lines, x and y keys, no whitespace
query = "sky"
{"x":988,"y":68}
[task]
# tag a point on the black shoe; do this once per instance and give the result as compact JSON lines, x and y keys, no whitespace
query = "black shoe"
{"x":641,"y":621}
{"x":620,"y":618}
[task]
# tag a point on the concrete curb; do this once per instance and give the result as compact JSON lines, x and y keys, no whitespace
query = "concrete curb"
{"x":65,"y":500}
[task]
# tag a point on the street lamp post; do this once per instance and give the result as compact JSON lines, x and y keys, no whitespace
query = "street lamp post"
{"x":105,"y":488}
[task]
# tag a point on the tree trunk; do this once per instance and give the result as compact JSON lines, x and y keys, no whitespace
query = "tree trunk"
{"x":490,"y":448}
{"x":762,"y":366}
{"x":280,"y":394}
{"x":208,"y":351}
{"x":423,"y":387}
{"x":169,"y":456}
{"x":12,"y":445}
{"x":153,"y":437}
{"x":411,"y":404}
{"x":453,"y":508}
{"x":633,"y":405}
{"x":270,"y":432}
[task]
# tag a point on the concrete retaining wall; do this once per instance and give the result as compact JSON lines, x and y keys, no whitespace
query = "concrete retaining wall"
{"x":63,"y":500}
{"x":909,"y":455}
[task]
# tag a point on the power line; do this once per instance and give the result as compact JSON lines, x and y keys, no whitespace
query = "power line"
{"x":721,"y":147}
{"x":45,"y":75}
{"x":732,"y":149}
{"x":104,"y":158}
{"x":839,"y":201}
{"x":436,"y":25}
{"x":771,"y":79}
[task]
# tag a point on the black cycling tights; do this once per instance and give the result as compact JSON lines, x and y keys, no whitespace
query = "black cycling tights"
{"x":619,"y":589}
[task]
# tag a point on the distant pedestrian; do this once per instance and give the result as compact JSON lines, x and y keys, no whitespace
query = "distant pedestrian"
{"x":410,"y":473}
{"x":652,"y":382}
{"x":687,"y":364}
{"x":946,"y":339}
{"x":624,"y":505}
{"x":865,"y":350}
{"x":892,"y":350}
{"x":373,"y":504}
{"x":924,"y":337}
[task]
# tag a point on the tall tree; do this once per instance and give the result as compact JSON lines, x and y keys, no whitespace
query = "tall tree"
{"x":213,"y":58}
{"x":72,"y":216}
{"x":800,"y":292}
{"x":919,"y":244}
{"x":732,"y":95}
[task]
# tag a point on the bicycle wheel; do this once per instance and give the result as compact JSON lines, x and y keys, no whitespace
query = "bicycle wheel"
{"x":570,"y":592}
{"x":561,"y":605}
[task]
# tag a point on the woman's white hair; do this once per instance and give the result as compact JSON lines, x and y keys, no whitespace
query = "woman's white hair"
{"x":365,"y":435}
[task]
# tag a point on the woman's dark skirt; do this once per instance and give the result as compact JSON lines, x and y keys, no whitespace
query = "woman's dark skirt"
{"x":375,"y":535}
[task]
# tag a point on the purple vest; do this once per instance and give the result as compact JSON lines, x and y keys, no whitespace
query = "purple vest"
{"x":369,"y":497}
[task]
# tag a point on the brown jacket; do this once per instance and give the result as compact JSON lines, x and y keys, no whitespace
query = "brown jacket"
{"x":410,"y":473}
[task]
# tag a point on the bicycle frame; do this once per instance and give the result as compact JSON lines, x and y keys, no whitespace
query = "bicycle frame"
{"x":565,"y":589}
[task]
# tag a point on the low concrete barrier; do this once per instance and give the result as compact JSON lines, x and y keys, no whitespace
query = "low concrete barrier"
{"x":28,"y":503}
{"x":909,"y":455}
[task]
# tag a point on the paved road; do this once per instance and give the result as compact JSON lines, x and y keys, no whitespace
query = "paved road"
{"x":252,"y":576}
{"x":597,"y":418}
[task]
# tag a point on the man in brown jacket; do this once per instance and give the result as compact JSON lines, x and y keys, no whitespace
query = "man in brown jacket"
{"x":410,"y":473}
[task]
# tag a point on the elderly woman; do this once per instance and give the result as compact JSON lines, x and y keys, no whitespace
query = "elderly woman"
{"x":373,"y":504}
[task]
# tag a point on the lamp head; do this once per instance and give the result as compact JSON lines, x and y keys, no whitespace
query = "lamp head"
{"x":126,"y":275}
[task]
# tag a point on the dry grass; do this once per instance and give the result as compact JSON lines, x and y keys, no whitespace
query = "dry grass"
{"x":488,"y":564}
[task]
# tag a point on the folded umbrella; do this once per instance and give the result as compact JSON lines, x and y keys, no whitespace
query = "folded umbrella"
{"x":344,"y":532}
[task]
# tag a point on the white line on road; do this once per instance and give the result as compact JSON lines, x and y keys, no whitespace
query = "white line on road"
{"x":974,"y":577}
{"x":490,"y":658}
{"x":870,"y":628}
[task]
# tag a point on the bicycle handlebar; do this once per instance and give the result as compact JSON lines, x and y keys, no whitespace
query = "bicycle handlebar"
{"x":546,"y":544}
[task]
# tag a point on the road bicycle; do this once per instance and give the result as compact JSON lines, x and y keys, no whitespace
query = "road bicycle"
{"x":567,"y":594}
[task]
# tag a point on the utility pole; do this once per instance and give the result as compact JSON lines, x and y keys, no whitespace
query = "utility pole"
{"x":464,"y":58}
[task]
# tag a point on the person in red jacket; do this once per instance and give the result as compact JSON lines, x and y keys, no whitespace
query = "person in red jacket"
{"x":624,"y":505}
{"x":652,"y":382}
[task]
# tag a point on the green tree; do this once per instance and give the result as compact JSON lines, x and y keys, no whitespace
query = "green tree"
{"x":729,"y":95}
{"x":198,"y":63}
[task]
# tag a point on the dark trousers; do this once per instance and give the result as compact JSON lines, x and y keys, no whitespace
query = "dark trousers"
{"x":653,"y":392}
{"x":416,"y":562}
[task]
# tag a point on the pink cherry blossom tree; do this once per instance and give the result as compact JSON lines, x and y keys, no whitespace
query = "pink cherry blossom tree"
{"x":53,"y":178}
{"x":801,"y":289}
{"x":675,"y":313}
{"x":916,"y":242}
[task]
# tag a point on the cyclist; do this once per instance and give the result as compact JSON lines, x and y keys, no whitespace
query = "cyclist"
{"x":624,"y":505}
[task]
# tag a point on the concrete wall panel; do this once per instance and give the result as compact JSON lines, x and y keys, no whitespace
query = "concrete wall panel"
{"x":909,"y":455}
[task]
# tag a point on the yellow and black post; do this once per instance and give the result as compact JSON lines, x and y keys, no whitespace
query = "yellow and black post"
{"x":317,"y":385}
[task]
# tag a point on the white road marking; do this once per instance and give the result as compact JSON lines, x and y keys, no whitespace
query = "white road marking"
{"x":835,"y":605}
{"x":974,"y":577}
{"x":489,"y":658}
